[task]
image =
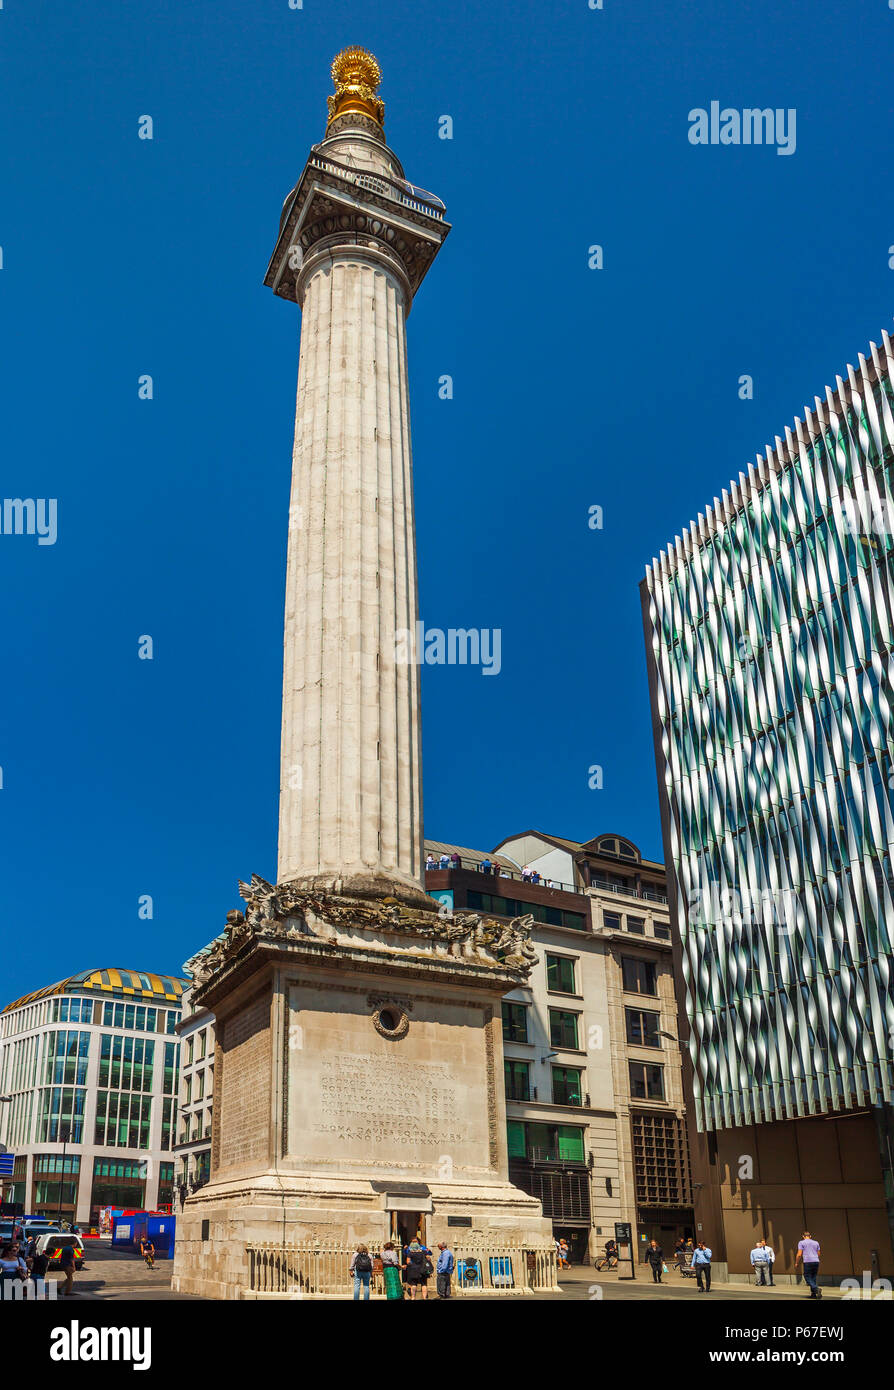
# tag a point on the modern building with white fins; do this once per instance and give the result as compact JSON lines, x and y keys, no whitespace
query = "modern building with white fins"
{"x":770,"y":641}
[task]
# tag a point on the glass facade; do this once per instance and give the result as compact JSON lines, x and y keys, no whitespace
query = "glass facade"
{"x":117,"y":1183}
{"x":122,"y":1120}
{"x":770,"y":636}
{"x":61,"y":1115}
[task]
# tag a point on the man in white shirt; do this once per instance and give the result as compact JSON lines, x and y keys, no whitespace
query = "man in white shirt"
{"x":762,"y":1258}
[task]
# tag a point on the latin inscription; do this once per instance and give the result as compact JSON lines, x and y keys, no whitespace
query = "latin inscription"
{"x":390,"y":1100}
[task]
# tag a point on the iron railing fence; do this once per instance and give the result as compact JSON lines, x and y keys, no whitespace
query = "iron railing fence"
{"x":315,"y":1269}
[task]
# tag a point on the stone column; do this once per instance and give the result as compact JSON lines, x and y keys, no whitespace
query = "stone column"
{"x":351,"y":788}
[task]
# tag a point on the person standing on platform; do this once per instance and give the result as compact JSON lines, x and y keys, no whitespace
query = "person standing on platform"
{"x":701,"y":1263}
{"x":417,"y":1269}
{"x":361,"y":1267}
{"x":444,"y":1269}
{"x":391,"y":1271}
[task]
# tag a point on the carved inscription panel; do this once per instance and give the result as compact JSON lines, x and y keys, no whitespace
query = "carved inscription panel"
{"x":357,"y":1100}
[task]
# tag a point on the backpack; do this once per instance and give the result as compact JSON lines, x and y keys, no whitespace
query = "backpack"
{"x":363,"y":1265}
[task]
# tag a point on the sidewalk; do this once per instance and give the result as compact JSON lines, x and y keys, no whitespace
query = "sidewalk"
{"x":673,"y":1285}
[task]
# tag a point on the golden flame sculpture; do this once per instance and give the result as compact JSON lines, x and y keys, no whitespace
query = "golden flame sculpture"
{"x":356,"y":75}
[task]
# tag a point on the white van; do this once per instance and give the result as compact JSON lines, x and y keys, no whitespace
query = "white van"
{"x":51,"y":1244}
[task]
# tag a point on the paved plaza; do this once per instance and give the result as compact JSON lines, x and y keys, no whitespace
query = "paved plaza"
{"x":112,"y":1275}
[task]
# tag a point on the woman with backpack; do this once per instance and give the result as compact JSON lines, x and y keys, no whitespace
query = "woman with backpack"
{"x":418,"y":1269}
{"x":361,"y":1267}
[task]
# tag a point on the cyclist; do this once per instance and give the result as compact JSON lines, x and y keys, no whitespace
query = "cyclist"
{"x":147,"y":1250}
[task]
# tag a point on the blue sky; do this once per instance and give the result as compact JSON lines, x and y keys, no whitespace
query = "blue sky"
{"x":573,"y":387}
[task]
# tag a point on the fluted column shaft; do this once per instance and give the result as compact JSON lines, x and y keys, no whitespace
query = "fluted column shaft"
{"x":351,"y":793}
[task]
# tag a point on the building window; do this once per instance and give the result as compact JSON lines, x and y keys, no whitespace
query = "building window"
{"x":61,"y":1115}
{"x":66,"y":1058}
{"x":202,"y":1045}
{"x":660,"y":1160}
{"x":117,"y":1183}
{"x":51,"y":1188}
{"x":637,"y":925}
{"x":189,"y":1050}
{"x":567,"y":1086}
{"x":515,"y":907}
{"x":122,"y":1120}
{"x":662,"y":931}
{"x":518,"y":1079}
{"x":542,"y":1143}
{"x":562,"y":1028}
{"x":642,"y":1027}
{"x":560,"y":974}
{"x":646,"y":1081}
{"x":621,"y":849}
{"x":165,"y":1184}
{"x":515,"y":1022}
{"x":611,"y":920}
{"x":172,"y":1062}
{"x":68,"y":1011}
{"x":126,"y":1064}
{"x":640,"y":976}
{"x":168,"y":1120}
{"x":200,"y":1085}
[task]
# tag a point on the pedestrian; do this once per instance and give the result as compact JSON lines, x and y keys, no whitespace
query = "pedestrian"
{"x":535,"y":876}
{"x":430,"y":862}
{"x":655,"y":1258}
{"x":563,"y":1252}
{"x":418,"y":1269}
{"x":38,"y":1271}
{"x":679,"y":1253}
{"x":809,"y":1257}
{"x":67,"y":1265}
{"x":610,"y":1257}
{"x":444,"y":1269}
{"x":361,"y":1267}
{"x":455,"y":861}
{"x":391,"y":1271}
{"x":445,"y":861}
{"x":12,"y":1267}
{"x":526,"y":874}
{"x":701,"y":1263}
{"x":485,"y":865}
{"x":771,"y":1259}
{"x":760,"y":1263}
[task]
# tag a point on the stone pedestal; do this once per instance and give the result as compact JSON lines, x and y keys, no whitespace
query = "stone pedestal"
{"x":358,"y":1083}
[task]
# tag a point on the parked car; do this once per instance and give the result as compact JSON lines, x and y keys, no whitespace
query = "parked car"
{"x":41,"y":1228}
{"x":51,"y":1243}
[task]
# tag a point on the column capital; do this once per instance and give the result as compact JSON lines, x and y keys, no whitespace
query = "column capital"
{"x":334,"y":205}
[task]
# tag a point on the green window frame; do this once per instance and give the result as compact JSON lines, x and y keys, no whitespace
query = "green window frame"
{"x":560,"y":974}
{"x":563,"y":1028}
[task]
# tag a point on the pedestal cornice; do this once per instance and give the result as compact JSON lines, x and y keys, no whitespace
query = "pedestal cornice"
{"x":380,"y":935}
